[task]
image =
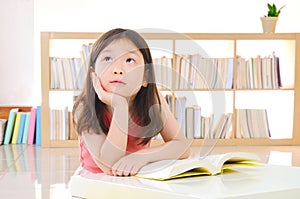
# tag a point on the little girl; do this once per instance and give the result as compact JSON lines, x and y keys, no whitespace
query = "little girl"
{"x":120,"y":109}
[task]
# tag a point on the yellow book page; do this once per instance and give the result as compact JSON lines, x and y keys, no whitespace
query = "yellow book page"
{"x":193,"y":172}
{"x":240,"y":164}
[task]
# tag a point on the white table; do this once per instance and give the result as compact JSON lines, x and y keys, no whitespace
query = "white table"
{"x":269,"y":181}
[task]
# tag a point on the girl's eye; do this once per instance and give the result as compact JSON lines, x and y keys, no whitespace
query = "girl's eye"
{"x":130,"y":60}
{"x":107,"y":59}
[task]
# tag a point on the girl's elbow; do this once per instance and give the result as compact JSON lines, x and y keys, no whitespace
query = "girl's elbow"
{"x":108,"y":160}
{"x":104,"y":165}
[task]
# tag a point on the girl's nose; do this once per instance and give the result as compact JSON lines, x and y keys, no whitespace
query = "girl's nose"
{"x":118,"y":67}
{"x":118,"y":71}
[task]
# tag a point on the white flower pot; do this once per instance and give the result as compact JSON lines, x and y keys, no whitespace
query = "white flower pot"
{"x":269,"y":24}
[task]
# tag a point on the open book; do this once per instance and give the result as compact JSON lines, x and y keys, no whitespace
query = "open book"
{"x":208,"y":165}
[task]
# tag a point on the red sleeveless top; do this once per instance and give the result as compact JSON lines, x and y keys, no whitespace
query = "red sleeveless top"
{"x":86,"y":159}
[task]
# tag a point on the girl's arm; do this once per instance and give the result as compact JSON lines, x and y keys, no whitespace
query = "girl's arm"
{"x":107,"y":150}
{"x":176,"y":146}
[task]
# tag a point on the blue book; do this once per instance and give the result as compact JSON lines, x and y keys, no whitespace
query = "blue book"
{"x":10,"y":125}
{"x":38,"y":136}
{"x":21,"y":128}
{"x":26,"y":128}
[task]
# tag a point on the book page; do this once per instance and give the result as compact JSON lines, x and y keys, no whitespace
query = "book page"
{"x":167,"y":169}
{"x":233,"y":158}
{"x":209,"y":165}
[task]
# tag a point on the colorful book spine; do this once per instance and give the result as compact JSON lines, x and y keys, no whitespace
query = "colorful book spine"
{"x":26,"y":128}
{"x":16,"y":128}
{"x":10,"y":125}
{"x":38,"y":140}
{"x":21,"y":129}
{"x":31,"y":130}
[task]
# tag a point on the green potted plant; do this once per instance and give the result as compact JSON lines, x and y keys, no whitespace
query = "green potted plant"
{"x":269,"y":21}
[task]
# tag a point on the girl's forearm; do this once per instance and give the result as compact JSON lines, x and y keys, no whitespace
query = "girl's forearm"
{"x":114,"y":147}
{"x":175,"y":149}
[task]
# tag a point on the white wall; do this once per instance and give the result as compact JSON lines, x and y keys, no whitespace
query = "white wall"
{"x":176,"y":15}
{"x":18,"y":62}
{"x":17,"y":71}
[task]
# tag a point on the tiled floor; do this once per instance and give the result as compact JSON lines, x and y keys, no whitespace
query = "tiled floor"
{"x":27,"y":171}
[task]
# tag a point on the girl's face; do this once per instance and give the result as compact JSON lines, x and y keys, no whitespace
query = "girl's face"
{"x":120,"y":67}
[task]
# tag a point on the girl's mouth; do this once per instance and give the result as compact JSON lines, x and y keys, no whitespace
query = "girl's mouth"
{"x":117,"y":82}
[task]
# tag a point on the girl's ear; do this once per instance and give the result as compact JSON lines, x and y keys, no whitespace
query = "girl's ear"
{"x":146,"y":78}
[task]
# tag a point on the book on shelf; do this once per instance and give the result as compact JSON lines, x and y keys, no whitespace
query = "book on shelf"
{"x":74,"y":78}
{"x":85,"y":52}
{"x":59,"y":124}
{"x":208,"y":165}
{"x":197,"y":121}
{"x":189,"y":126}
{"x":38,"y":130}
{"x":21,"y":128}
{"x":192,"y":71}
{"x":67,"y":73}
{"x":10,"y":125}
{"x":206,"y":126}
{"x":16,"y":128}
{"x":3,"y":123}
{"x":167,"y":72}
{"x":60,"y":73}
{"x":32,"y":123}
{"x":256,"y":64}
{"x":84,"y":60}
{"x":179,"y":112}
{"x":252,"y":123}
{"x":184,"y":72}
{"x":277,"y":64}
{"x":193,"y":122}
{"x":229,"y":76}
{"x":177,"y":70}
{"x":163,"y":72}
{"x":26,"y":128}
{"x":259,"y":72}
{"x":221,"y":130}
{"x":54,"y":80}
{"x":199,"y":72}
{"x":199,"y":126}
{"x":80,"y":72}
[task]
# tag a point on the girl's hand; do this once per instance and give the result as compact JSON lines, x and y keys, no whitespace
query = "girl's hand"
{"x":129,"y":165}
{"x":107,"y":98}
